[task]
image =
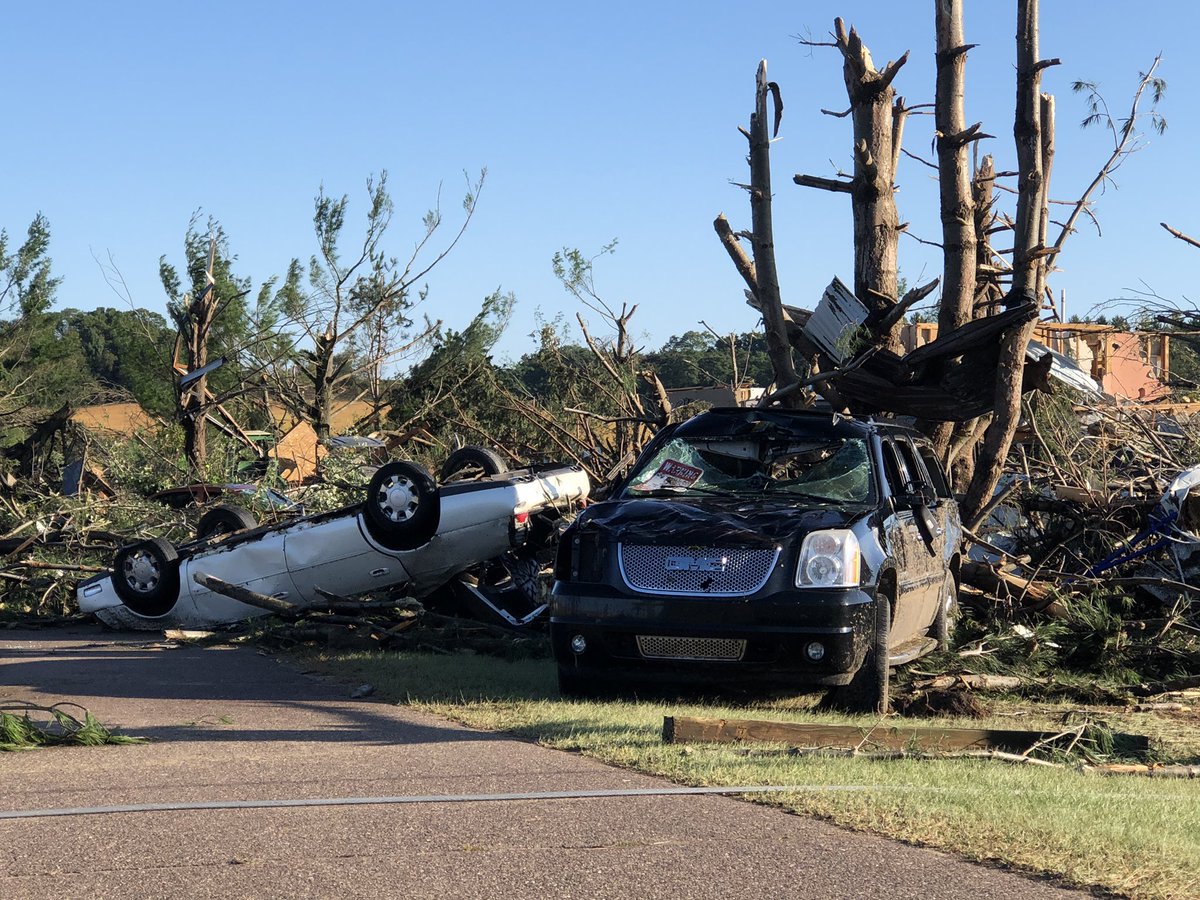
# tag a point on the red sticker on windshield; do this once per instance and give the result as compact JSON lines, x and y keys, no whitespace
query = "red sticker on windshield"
{"x":671,"y":474}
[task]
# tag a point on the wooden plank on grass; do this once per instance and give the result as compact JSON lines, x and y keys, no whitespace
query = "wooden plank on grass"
{"x":691,"y":729}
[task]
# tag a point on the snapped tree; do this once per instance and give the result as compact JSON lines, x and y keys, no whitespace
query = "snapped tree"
{"x":213,"y":321}
{"x":966,"y":385}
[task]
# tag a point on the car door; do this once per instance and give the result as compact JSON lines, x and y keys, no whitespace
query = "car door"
{"x":904,"y":545}
{"x":334,"y":555}
{"x":931,"y":524}
{"x":946,"y":507}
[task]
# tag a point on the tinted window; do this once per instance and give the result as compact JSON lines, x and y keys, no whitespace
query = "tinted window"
{"x":894,"y":468}
{"x":916,"y":471}
{"x":937,"y":477}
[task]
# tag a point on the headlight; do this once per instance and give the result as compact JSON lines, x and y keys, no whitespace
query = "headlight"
{"x":829,"y":559}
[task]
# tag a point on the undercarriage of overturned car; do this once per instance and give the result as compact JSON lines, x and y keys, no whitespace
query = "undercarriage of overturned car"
{"x":760,"y":545}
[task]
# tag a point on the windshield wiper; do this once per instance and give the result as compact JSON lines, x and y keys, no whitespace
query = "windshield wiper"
{"x":677,"y":492}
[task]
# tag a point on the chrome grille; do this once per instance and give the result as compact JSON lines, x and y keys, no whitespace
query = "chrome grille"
{"x":654,"y":647}
{"x":700,"y":571}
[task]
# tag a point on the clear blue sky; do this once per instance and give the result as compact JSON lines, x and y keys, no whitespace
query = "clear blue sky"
{"x":595,"y":121}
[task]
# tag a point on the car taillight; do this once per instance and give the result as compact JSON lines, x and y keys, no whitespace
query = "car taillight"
{"x":519,"y":531}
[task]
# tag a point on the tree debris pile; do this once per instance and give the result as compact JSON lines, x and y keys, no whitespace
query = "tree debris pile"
{"x":52,"y":537}
{"x":396,"y":624}
{"x":1087,"y":562}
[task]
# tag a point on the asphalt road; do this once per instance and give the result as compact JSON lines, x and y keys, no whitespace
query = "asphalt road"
{"x":232,"y":724}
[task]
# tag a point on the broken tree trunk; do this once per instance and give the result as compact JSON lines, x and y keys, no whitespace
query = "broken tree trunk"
{"x":959,"y":454}
{"x":954,"y":181}
{"x":202,"y":310}
{"x":954,"y":170}
{"x":878,"y":122}
{"x":1027,"y":258}
{"x":763,"y":238}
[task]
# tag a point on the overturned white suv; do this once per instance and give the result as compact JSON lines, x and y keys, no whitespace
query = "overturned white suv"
{"x":408,"y":532}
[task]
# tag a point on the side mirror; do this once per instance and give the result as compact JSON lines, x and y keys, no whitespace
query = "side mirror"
{"x":916,"y":495}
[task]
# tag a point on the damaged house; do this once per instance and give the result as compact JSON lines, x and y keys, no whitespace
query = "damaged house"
{"x":1123,"y":364}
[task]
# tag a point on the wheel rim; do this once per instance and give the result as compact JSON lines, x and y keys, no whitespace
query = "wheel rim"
{"x":397,"y":498}
{"x":142,"y":572}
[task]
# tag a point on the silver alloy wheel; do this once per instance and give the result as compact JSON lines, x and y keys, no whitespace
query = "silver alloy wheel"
{"x":142,"y":572}
{"x":397,"y":498}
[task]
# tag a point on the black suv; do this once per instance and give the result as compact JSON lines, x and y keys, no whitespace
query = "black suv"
{"x":790,"y":545}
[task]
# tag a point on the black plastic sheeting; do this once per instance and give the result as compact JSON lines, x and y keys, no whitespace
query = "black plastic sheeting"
{"x":710,"y":521}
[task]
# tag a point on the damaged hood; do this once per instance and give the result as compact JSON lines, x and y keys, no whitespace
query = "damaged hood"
{"x":712,"y":521}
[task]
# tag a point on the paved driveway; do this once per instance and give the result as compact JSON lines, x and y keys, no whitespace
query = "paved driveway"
{"x":232,"y":724}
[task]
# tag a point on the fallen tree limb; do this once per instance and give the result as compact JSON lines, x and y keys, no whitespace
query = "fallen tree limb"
{"x":64,"y":567}
{"x":1153,"y":771}
{"x":282,"y":608}
{"x":1001,"y":755}
{"x":247,"y":596}
{"x":986,"y":545}
{"x":1154,"y":688}
{"x":1003,"y":582}
{"x":970,"y":681}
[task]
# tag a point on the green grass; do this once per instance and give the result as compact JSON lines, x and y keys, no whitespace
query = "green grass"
{"x":1132,"y":835}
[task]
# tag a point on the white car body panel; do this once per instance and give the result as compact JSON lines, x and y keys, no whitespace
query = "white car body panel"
{"x":335,"y":552}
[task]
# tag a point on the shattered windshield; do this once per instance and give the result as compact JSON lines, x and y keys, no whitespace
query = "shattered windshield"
{"x":821,"y":469}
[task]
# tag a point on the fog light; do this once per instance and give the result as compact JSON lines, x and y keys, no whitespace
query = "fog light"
{"x":815,"y":651}
{"x":578,"y":643}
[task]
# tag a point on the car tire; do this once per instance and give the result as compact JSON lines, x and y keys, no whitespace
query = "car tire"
{"x":225,"y":518}
{"x":868,"y":690}
{"x":146,"y":577}
{"x":472,"y":461}
{"x":947,"y":613}
{"x":402,"y":508}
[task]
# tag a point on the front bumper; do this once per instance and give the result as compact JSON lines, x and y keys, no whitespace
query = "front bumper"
{"x":776,"y":629}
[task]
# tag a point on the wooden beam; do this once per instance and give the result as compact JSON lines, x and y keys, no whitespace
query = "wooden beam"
{"x":685,"y":729}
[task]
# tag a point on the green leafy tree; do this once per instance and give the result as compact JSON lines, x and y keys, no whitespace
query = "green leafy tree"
{"x":125,"y":349}
{"x":454,"y":392}
{"x":32,"y":365}
{"x":26,"y":283}
{"x":354,"y":319}
{"x":699,"y":358}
